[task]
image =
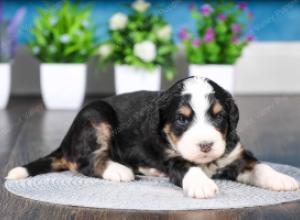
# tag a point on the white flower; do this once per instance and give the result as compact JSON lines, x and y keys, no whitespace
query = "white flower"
{"x":164,"y":33}
{"x":105,"y":50}
{"x":145,"y":50}
{"x":83,"y":51}
{"x":140,"y":5}
{"x":52,"y":49}
{"x":53,"y":21}
{"x":118,"y":21}
{"x":85,"y":23}
{"x":36,"y":50}
{"x":65,"y":38}
{"x":78,"y":33}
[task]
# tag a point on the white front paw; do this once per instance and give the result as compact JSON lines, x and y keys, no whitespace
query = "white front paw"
{"x":197,"y":185}
{"x":117,"y":172}
{"x":268,"y":178}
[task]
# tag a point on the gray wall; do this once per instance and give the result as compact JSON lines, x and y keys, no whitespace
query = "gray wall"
{"x":269,"y":68}
{"x":264,"y":68}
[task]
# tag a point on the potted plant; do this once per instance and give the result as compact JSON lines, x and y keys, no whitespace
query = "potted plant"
{"x":218,"y":41}
{"x":141,"y":47}
{"x":63,"y":40}
{"x":8,"y":38}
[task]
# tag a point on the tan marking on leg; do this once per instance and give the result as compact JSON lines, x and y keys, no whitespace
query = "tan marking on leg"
{"x":103,"y":132}
{"x":63,"y":164}
{"x":151,"y":172}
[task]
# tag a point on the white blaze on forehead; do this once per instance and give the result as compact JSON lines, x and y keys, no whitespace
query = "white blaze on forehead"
{"x":199,"y":89}
{"x":201,"y":130}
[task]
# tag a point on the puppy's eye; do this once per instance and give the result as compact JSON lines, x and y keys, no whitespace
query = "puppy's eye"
{"x":219,"y":116}
{"x":181,"y":120}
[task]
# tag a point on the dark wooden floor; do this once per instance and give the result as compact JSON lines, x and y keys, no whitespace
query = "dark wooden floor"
{"x":269,"y":127}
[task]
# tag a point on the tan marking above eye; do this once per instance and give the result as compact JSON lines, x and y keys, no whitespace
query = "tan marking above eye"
{"x":217,"y":108}
{"x":185,"y":110}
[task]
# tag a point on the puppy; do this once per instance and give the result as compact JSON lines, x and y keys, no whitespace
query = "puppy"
{"x":187,"y":133}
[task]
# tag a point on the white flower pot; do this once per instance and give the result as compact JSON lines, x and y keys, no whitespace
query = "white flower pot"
{"x":5,"y":83}
{"x":63,"y":85}
{"x":131,"y":79}
{"x":221,"y":74}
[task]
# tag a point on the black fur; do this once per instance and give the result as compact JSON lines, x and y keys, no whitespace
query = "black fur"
{"x":245,"y":163}
{"x":137,"y":139}
{"x":232,"y":113}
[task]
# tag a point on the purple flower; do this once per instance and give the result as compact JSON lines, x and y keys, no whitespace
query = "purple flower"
{"x":16,"y":20}
{"x":183,"y":34}
{"x":196,"y":42}
{"x":209,"y":35}
{"x":236,"y":28}
{"x":242,"y":6}
{"x":206,"y":10}
{"x":12,"y":28}
{"x":221,"y":17}
{"x":250,"y":38}
{"x":235,"y":39}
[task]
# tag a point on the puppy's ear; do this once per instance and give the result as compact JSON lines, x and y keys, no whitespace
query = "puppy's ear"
{"x":169,"y":95}
{"x":233,"y":113}
{"x":157,"y":114}
{"x":233,"y":118}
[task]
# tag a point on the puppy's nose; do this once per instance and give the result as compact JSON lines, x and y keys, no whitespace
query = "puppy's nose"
{"x":205,"y":147}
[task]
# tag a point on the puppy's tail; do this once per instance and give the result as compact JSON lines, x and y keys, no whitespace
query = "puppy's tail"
{"x":53,"y":162}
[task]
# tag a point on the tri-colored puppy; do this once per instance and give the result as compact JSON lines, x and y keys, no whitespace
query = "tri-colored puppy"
{"x":187,"y":133}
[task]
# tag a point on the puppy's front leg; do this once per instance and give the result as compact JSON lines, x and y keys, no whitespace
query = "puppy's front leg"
{"x":247,"y":169}
{"x":198,"y":185}
{"x":192,"y":179}
{"x":264,"y":176}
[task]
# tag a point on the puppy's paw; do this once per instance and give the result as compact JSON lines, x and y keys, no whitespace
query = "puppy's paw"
{"x":117,"y":172}
{"x":17,"y":173}
{"x":197,"y":185}
{"x":268,"y":178}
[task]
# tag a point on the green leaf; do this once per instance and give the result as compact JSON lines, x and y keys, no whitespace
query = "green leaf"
{"x":53,"y":22}
{"x":142,"y":27}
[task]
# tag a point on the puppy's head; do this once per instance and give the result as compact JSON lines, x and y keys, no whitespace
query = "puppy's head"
{"x":199,"y":120}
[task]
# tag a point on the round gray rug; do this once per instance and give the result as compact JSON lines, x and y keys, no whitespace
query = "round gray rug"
{"x":146,"y":193}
